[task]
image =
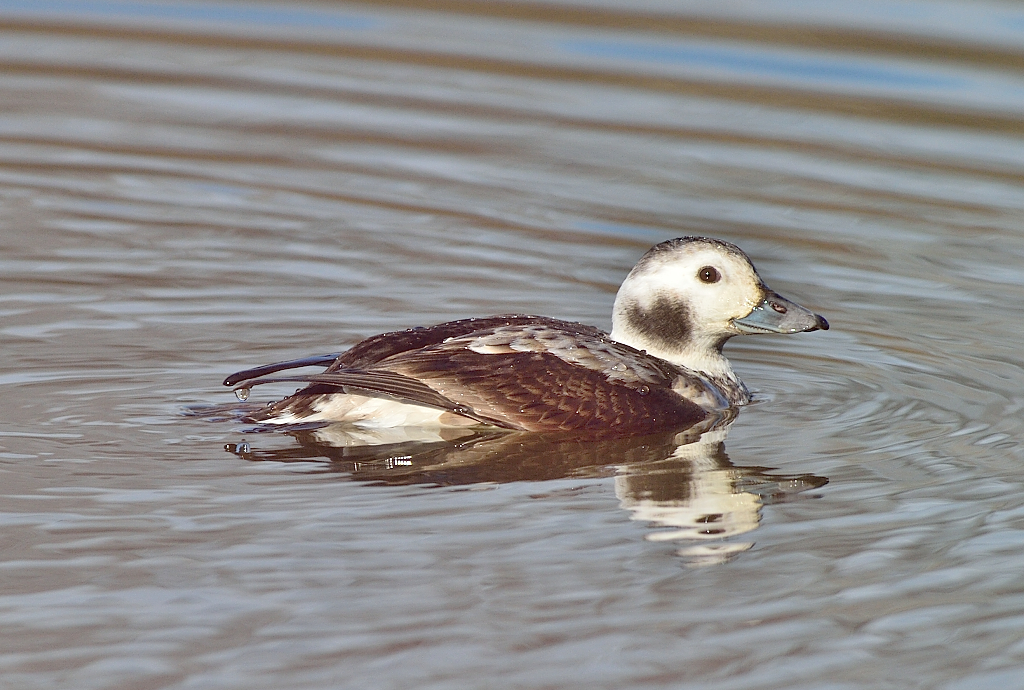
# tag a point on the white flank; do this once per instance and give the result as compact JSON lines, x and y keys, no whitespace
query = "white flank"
{"x":372,"y":413}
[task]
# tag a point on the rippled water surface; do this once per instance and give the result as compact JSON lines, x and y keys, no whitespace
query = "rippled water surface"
{"x":189,"y":189}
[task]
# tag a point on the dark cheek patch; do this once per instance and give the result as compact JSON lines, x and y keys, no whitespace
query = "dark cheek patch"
{"x":666,"y":322}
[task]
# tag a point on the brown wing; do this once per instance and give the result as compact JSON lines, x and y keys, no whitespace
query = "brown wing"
{"x":573,"y":343}
{"x":539,"y":391}
{"x":379,"y":347}
{"x":519,"y":372}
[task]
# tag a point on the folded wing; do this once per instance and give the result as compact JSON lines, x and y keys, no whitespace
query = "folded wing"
{"x":515,"y":372}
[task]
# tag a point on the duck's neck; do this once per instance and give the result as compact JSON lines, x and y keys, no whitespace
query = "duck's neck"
{"x":712,"y":365}
{"x":701,"y":355}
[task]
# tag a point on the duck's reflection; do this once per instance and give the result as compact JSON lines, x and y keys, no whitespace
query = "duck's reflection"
{"x":695,"y":496}
{"x":682,"y":485}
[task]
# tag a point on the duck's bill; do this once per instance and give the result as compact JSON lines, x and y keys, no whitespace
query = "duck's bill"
{"x":776,"y":314}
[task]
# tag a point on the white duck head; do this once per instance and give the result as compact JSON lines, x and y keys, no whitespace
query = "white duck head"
{"x":686,"y":297}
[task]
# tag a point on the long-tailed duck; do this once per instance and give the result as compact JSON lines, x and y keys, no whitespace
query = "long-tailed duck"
{"x":661,"y":366}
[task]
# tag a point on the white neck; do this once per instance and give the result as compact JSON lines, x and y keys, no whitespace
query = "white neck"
{"x":703,"y":357}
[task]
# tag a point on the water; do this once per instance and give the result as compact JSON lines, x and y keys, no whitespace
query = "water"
{"x":191,"y":189}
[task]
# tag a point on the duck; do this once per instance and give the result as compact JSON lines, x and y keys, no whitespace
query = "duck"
{"x":661,"y":367}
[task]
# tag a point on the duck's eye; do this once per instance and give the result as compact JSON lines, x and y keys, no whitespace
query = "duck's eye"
{"x":709,"y":274}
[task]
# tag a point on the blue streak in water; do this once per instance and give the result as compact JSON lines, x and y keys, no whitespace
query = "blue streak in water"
{"x":226,"y":13}
{"x":766,"y":64}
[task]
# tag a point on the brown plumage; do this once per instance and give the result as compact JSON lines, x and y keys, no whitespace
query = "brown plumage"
{"x":516,"y":372}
